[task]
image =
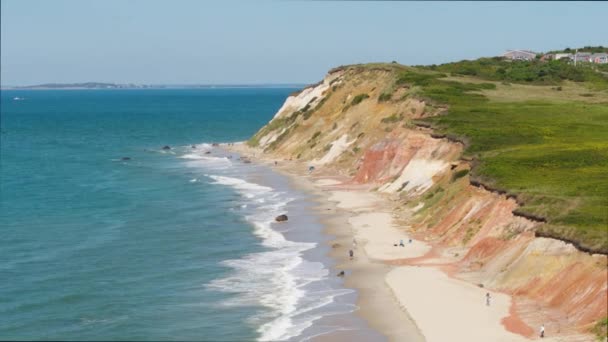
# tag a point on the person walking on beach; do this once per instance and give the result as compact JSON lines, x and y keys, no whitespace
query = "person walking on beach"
{"x":401,"y":243}
{"x":351,"y":254}
{"x":542,"y":331}
{"x":488,"y":298}
{"x":354,"y":243}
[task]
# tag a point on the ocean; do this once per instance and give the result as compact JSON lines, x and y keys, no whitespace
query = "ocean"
{"x":105,"y":235}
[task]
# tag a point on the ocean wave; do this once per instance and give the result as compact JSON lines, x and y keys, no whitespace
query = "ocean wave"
{"x":276,"y":279}
{"x":239,"y":184}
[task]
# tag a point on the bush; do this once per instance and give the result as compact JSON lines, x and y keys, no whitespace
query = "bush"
{"x":358,"y":99}
{"x":385,"y":97}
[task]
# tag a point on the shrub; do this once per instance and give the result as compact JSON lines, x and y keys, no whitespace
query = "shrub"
{"x":356,"y":149}
{"x":358,"y":99}
{"x":384,"y":97}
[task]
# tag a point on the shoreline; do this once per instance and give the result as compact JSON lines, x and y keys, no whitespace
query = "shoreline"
{"x":414,"y":301}
{"x":376,"y":302}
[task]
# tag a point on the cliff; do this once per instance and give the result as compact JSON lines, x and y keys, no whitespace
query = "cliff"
{"x":387,"y":126}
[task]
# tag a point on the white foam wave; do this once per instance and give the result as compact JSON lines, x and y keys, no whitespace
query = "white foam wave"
{"x":274,"y":278}
{"x":239,"y":184}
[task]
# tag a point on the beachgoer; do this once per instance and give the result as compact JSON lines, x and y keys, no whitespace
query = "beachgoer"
{"x":310,"y":169}
{"x":341,"y":274}
{"x":276,"y":162}
{"x":354,"y":243}
{"x":401,"y":243}
{"x":410,"y":241}
{"x":542,"y":331}
{"x":351,"y":254}
{"x":488,"y":298}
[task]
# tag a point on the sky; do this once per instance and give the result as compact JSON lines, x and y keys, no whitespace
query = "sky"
{"x":253,"y":42}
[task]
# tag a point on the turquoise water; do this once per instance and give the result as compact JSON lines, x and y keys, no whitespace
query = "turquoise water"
{"x":93,"y":247}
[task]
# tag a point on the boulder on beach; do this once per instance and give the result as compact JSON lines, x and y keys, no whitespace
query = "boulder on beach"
{"x":281,"y":218}
{"x":335,"y":245}
{"x":166,"y":147}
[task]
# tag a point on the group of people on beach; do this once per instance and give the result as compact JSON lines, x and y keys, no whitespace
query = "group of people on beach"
{"x":402,"y":244}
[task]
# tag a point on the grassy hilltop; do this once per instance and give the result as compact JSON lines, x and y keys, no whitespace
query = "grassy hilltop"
{"x":537,"y":130}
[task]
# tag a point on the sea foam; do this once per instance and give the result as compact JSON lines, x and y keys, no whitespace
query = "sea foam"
{"x":275,"y":278}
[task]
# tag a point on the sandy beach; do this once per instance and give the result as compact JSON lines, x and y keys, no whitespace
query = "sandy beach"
{"x":418,"y":302}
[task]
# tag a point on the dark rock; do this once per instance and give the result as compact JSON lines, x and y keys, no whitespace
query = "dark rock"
{"x":215,"y":144}
{"x":166,"y":147}
{"x":125,"y":158}
{"x":246,"y":161}
{"x":208,"y":152}
{"x":335,"y":245}
{"x":193,"y":146}
{"x":281,"y":218}
{"x":341,"y":274}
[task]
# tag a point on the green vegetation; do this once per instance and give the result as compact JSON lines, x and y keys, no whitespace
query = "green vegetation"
{"x":526,"y":72}
{"x":600,"y":329}
{"x":459,"y":174}
{"x":385,"y":97}
{"x":592,"y":49}
{"x":392,"y":119}
{"x":357,"y":99}
{"x":553,"y":154}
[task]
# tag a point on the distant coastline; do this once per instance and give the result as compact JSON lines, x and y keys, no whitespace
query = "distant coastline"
{"x":101,"y":85}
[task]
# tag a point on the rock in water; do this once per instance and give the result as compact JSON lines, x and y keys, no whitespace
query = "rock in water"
{"x":166,"y":147}
{"x":215,"y":144}
{"x":281,"y":218}
{"x":125,"y":158}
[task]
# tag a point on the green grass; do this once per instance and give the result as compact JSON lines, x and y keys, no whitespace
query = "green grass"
{"x":525,"y":72}
{"x":601,"y":329}
{"x":552,"y":155}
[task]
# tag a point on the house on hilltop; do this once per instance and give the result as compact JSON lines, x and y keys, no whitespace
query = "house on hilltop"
{"x":600,"y":58}
{"x":519,"y":55}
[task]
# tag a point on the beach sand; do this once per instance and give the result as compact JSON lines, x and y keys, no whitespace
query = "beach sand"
{"x":405,"y":303}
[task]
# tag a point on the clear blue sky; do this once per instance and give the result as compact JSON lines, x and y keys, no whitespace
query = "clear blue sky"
{"x":180,"y":41}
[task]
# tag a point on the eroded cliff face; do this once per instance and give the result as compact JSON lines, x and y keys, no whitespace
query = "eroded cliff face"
{"x":359,"y":123}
